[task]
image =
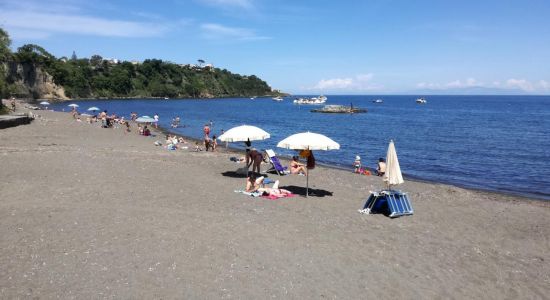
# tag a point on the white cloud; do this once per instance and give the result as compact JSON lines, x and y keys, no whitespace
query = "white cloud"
{"x":361,"y":82}
{"x":545,"y":85}
{"x":521,"y":84}
{"x":59,"y":23}
{"x":221,"y":32}
{"x":511,"y":84}
{"x":469,"y":82}
{"x":335,"y":83}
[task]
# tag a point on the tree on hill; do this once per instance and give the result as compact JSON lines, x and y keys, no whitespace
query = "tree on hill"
{"x":5,"y":54}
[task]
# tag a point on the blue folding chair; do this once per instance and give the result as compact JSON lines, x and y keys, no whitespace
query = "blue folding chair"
{"x":276,"y":163}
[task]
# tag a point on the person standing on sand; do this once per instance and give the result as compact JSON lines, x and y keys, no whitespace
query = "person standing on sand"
{"x":13,"y":104}
{"x":214,"y":143}
{"x":255,"y":158}
{"x":156,"y":117}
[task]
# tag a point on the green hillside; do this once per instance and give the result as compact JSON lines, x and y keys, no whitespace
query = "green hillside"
{"x":96,"y":77}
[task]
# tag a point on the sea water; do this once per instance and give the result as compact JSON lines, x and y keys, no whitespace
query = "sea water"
{"x":496,"y":143}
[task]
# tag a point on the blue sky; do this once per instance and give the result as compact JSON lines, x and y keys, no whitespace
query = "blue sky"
{"x":311,"y":47}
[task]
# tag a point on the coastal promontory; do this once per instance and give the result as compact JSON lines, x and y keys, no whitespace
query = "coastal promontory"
{"x":33,"y":72}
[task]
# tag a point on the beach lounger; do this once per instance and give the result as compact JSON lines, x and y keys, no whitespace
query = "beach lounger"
{"x":276,"y":163}
{"x":392,"y":203}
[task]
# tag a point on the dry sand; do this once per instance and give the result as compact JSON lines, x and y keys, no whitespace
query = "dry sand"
{"x":87,"y":212}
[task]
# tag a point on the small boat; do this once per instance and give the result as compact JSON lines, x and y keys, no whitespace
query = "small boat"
{"x":253,"y":98}
{"x":378,"y":101}
{"x":320,"y":98}
{"x":313,"y":101}
{"x":278,"y":98}
{"x":339,"y":109}
{"x":421,"y":100}
{"x":166,"y":98}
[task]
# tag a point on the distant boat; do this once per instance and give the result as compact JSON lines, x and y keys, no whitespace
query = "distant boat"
{"x":166,"y":98}
{"x":421,"y":100}
{"x":378,"y":101}
{"x":315,"y":100}
{"x":339,"y":109}
{"x":278,"y":98}
{"x":253,"y":98}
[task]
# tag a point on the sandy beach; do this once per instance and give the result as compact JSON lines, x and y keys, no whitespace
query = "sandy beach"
{"x":87,"y":212}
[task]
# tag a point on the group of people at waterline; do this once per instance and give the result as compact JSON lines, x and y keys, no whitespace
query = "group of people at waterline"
{"x":253,"y":158}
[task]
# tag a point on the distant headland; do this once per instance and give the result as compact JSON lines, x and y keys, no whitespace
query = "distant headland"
{"x":32,"y":72}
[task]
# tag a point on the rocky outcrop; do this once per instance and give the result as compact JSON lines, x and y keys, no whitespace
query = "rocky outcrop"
{"x":31,"y":81}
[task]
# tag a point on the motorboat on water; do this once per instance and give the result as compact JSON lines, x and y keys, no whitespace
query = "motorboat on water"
{"x":278,"y":98}
{"x":315,"y":100}
{"x":421,"y":100}
{"x":378,"y":101}
{"x":320,"y":98}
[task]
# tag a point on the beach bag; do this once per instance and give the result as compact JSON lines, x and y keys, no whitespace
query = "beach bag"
{"x":310,"y":161}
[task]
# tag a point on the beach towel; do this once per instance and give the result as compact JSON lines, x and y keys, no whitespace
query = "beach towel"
{"x":253,"y":194}
{"x":273,"y":197}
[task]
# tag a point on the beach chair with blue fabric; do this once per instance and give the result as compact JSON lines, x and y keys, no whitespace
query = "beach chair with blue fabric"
{"x":390,"y":202}
{"x":276,"y":165}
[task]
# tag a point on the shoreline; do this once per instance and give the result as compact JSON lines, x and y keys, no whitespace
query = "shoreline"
{"x":88,"y":212}
{"x":525,"y":197}
{"x":337,"y":166}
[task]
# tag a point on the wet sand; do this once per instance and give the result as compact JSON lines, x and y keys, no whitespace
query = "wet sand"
{"x":87,"y":212}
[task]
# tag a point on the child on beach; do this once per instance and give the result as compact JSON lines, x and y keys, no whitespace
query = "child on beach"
{"x":213,"y":143}
{"x":357,"y":164}
{"x":197,"y":147}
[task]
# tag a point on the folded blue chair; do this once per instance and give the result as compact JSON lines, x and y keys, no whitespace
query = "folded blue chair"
{"x":276,"y":163}
{"x":392,"y":203}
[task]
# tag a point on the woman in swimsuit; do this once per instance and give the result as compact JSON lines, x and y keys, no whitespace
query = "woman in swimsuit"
{"x":296,"y":167}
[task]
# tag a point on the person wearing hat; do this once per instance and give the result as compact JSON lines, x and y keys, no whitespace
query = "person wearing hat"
{"x":357,"y":164}
{"x":381,"y":167}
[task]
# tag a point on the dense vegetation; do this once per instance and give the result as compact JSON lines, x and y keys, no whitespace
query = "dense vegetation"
{"x":97,"y":77}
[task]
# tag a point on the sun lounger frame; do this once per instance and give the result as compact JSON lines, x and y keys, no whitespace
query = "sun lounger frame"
{"x":398,"y":203}
{"x":275,"y":163}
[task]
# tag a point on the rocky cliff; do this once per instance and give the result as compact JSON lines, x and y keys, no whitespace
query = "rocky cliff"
{"x":31,"y":81}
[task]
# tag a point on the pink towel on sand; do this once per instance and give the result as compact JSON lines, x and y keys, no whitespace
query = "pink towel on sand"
{"x":273,"y":197}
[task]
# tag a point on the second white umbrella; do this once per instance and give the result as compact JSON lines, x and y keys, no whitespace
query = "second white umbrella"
{"x":243,"y":133}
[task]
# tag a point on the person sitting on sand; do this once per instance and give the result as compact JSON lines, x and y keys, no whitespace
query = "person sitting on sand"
{"x":296,"y":167}
{"x":381,"y":167}
{"x":253,"y":183}
{"x":146,"y":131}
{"x":357,"y":164}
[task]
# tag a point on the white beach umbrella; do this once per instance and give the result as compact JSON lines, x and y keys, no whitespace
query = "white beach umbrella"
{"x":93,"y":108}
{"x":73,"y":105}
{"x":308,"y":141}
{"x":44,"y":103}
{"x":393,"y":174}
{"x":243,"y":133}
{"x":145,"y":119}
